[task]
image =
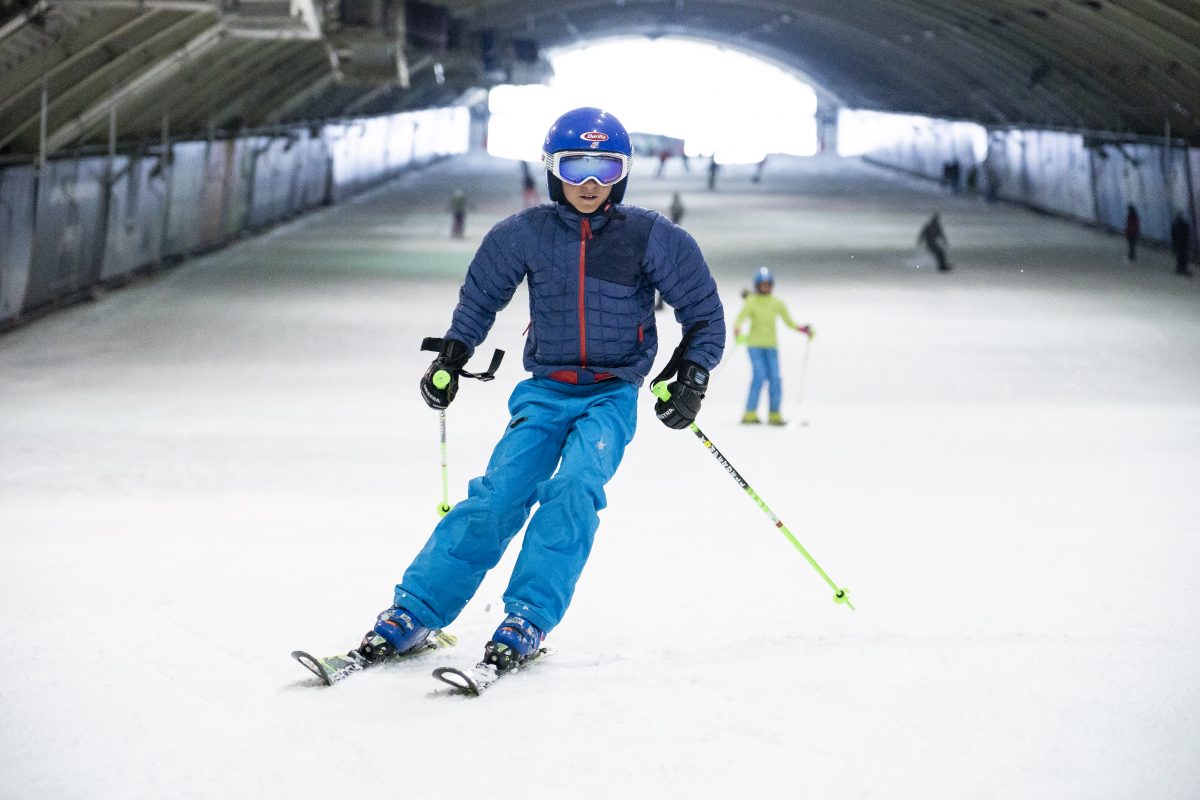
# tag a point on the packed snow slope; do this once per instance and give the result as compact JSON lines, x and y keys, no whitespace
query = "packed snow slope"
{"x":230,"y":461}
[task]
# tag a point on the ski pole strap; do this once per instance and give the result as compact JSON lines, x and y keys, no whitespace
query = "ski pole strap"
{"x":497,"y":357}
{"x":434,"y":344}
{"x":676,"y":357}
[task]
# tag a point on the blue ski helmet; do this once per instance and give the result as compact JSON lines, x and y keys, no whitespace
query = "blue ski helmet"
{"x":587,"y":130}
{"x":764,"y":276}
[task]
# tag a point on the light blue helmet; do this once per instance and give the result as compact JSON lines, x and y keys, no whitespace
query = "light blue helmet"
{"x":764,"y":276}
{"x":590,"y":130}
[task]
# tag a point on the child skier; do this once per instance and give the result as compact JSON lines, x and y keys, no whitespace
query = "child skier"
{"x":593,"y":266}
{"x":761,"y":308}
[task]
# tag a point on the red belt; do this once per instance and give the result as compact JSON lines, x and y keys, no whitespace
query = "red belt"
{"x":578,"y":376}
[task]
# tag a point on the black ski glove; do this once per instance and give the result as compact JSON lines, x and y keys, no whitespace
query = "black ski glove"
{"x":687,"y":391}
{"x":452,"y":357}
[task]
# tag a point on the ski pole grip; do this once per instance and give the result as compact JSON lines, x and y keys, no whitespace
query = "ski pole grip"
{"x":661,"y":391}
{"x":441,"y":379}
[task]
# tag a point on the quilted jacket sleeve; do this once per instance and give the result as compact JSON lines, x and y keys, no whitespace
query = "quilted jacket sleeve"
{"x":678,"y":270}
{"x":493,"y":276}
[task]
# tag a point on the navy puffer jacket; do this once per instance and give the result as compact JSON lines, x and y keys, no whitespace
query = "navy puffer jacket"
{"x":591,"y":290}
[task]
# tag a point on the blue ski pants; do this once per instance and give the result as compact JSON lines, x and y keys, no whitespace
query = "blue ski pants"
{"x":764,"y":366}
{"x":582,"y":430}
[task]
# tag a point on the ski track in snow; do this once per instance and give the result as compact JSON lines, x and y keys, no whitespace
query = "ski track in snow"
{"x":228,"y":462}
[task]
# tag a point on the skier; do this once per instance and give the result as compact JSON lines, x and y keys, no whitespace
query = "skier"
{"x":1133,"y":231}
{"x":458,"y":213}
{"x":934,"y":239}
{"x":593,"y":266}
{"x":762,"y":308}
{"x":1181,"y":244}
{"x":677,"y":208}
{"x":758,"y":171}
{"x":528,"y":187}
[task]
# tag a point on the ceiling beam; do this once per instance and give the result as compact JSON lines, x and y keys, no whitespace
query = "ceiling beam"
{"x":160,"y":71}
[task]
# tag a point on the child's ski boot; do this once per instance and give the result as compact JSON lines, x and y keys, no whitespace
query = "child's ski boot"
{"x":516,"y":640}
{"x":400,"y":630}
{"x":775,"y":418}
{"x":751,"y":418}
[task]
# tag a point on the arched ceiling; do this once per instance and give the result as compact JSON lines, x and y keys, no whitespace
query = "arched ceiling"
{"x":145,"y":68}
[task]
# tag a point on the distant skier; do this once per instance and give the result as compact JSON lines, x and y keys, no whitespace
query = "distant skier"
{"x":762,"y":308}
{"x":1133,"y":230}
{"x":592,"y":268}
{"x":713,"y":168}
{"x":458,"y":213}
{"x":677,"y":208}
{"x":758,"y":170}
{"x":528,"y":187}
{"x":1181,"y":245}
{"x":934,"y":239}
{"x":676,"y":211}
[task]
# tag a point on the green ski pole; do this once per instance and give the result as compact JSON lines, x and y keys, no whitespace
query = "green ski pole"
{"x":441,"y":379}
{"x":840,"y":593}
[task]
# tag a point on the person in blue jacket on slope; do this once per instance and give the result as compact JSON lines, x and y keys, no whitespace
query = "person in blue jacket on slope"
{"x":593,"y":266}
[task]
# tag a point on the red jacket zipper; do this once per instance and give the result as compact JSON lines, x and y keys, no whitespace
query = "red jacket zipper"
{"x":585,"y":233}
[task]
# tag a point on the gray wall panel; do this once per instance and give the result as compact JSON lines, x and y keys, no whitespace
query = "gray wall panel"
{"x":237,"y":211}
{"x":183,"y":235}
{"x":1044,"y":169}
{"x":92,"y":220}
{"x":402,"y":141}
{"x":1150,"y":181}
{"x":314,"y":174}
{"x":1059,"y":174}
{"x":1108,"y":167}
{"x":264,"y":198}
{"x":137,"y":205}
{"x":1194,"y":185}
{"x":277,"y":183}
{"x":219,"y":165}
{"x":16,"y":237}
{"x":66,"y":229}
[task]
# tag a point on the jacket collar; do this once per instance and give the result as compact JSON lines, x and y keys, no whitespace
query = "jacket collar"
{"x":572,"y":217}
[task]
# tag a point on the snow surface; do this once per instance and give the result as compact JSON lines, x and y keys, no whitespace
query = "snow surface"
{"x":206,"y":471}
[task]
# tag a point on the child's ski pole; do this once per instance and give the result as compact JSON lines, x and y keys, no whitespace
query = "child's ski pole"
{"x":840,"y":593}
{"x":441,"y":379}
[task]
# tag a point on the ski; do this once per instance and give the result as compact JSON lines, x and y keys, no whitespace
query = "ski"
{"x":478,"y":679}
{"x":335,"y":669}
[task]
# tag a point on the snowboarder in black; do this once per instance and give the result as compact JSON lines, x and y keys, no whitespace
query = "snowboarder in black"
{"x":934,"y":239}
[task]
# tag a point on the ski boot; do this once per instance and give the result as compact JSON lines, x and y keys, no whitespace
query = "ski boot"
{"x":516,"y":640}
{"x":775,"y":418}
{"x":751,"y":418}
{"x":396,"y":632}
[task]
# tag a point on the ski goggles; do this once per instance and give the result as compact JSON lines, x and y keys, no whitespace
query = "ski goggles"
{"x":576,"y":168}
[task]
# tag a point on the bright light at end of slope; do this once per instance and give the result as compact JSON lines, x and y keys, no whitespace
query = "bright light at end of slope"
{"x":873,"y":132}
{"x":715,"y":99}
{"x":520,"y":117}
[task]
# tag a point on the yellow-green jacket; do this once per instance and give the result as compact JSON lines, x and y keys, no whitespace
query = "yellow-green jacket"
{"x":762,"y":310}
